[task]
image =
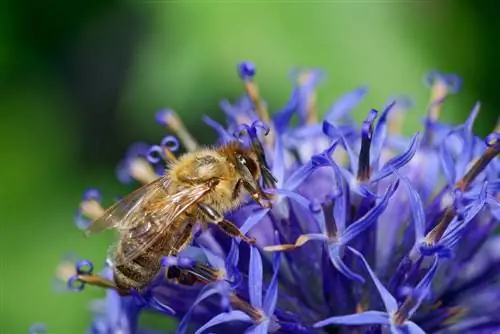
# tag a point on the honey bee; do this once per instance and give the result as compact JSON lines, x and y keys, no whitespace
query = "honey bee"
{"x":157,"y":219}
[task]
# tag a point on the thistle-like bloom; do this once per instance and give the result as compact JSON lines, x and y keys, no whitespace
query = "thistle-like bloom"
{"x":369,"y":232}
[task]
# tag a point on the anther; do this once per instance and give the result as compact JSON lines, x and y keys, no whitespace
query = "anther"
{"x":254,"y":313}
{"x":307,"y":79}
{"x":173,"y":122}
{"x":492,"y":150}
{"x":441,"y":85}
{"x":396,"y":116}
{"x":141,"y":170}
{"x":91,"y":208}
{"x":247,"y":70}
{"x":170,"y":144}
{"x":84,"y":267}
{"x":403,"y":311}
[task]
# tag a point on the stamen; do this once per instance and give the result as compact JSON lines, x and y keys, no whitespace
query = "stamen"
{"x":454,"y":314}
{"x":173,"y":122}
{"x":301,"y":240}
{"x":65,"y":270}
{"x":246,"y":71}
{"x":441,"y":85}
{"x":437,"y":232}
{"x":141,"y":170}
{"x":364,"y":168}
{"x":91,"y":209}
{"x":401,"y":314}
{"x":493,"y":149}
{"x":497,"y":127}
{"x":396,"y":116}
{"x":306,"y":78}
{"x":254,"y":313}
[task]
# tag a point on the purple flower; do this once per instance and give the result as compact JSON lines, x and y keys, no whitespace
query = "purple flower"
{"x":369,"y":232}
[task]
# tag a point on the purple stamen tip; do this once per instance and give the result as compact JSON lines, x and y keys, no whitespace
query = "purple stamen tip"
{"x":168,"y":261}
{"x":38,"y":329}
{"x":246,"y":70}
{"x":185,"y":262}
{"x":162,"y":116}
{"x":492,"y":139}
{"x":75,"y":284}
{"x":92,"y":194}
{"x":171,"y":143}
{"x":315,"y":207}
{"x":154,"y":155}
{"x":84,"y":267}
{"x":452,"y":81}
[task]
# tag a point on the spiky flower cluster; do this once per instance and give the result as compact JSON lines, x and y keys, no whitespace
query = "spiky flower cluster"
{"x":369,"y":232}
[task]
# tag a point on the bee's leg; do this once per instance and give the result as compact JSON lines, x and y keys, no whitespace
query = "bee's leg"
{"x":184,"y":238}
{"x":218,"y":219}
{"x":199,"y":273}
{"x":258,"y":195}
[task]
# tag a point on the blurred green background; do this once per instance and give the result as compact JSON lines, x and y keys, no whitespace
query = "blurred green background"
{"x":80,"y":81}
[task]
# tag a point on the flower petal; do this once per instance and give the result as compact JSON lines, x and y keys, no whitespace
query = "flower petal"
{"x":399,"y":161}
{"x":223,"y":318}
{"x":363,"y":318}
{"x":412,"y":328}
{"x":390,"y":302}
{"x":224,"y":135}
{"x":259,"y":329}
{"x":345,"y":104}
{"x":253,"y":220}
{"x":370,"y":217}
{"x":255,"y":278}
{"x":271,"y":295}
{"x":380,"y":134}
{"x":335,"y":257}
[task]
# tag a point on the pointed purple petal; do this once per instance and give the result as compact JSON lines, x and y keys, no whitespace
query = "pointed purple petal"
{"x":413,"y":328}
{"x":223,"y":318}
{"x":363,"y":318}
{"x":345,"y":104}
{"x":447,"y":163}
{"x":298,"y":176}
{"x":390,"y":302}
{"x":334,"y":132}
{"x":370,"y":217}
{"x":319,"y":217}
{"x":259,"y":329}
{"x":399,"y":161}
{"x":255,"y":278}
{"x":417,"y":209}
{"x":253,"y":220}
{"x":334,"y":254}
{"x":380,"y":134}
{"x":205,"y":292}
{"x":221,"y":131}
{"x":271,"y":295}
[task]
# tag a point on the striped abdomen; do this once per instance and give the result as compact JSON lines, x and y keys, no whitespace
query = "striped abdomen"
{"x":139,"y":272}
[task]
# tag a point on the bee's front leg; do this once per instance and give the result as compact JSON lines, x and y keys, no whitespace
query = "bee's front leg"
{"x":225,"y":225}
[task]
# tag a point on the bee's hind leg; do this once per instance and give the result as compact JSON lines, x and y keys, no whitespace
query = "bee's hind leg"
{"x":198,"y":273}
{"x":225,"y":225}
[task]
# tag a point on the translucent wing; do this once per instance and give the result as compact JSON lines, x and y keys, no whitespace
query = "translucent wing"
{"x":160,"y":213}
{"x":126,"y":213}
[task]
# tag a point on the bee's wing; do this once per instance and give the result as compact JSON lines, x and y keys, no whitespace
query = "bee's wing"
{"x":125,"y":214}
{"x":161,"y":213}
